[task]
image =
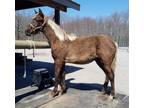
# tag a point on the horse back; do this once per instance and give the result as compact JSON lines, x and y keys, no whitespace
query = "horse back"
{"x":86,"y":49}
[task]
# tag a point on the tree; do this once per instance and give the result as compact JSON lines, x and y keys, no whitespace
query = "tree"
{"x":115,"y":25}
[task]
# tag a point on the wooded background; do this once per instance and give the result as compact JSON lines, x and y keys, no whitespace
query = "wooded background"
{"x":115,"y":25}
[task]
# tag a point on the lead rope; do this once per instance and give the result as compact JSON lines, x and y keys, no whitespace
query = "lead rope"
{"x":32,"y":45}
{"x":24,"y":75}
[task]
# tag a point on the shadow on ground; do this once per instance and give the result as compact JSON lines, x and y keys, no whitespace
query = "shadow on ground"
{"x":21,"y":82}
{"x":17,"y":98}
{"x":78,"y":95}
{"x":85,"y":86}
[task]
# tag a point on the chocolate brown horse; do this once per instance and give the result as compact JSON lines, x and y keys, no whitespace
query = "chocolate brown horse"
{"x":66,"y":48}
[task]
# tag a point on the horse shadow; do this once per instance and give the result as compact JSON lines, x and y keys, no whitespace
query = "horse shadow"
{"x":86,"y":86}
{"x":21,"y":82}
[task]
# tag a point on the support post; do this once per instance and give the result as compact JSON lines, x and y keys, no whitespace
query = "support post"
{"x":57,"y":16}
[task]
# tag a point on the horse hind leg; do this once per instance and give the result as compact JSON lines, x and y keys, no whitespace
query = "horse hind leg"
{"x":108,"y":70}
{"x":110,"y":74}
{"x":105,"y":85}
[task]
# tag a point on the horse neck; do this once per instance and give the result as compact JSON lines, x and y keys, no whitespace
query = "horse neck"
{"x":56,"y":35}
{"x":51,"y":36}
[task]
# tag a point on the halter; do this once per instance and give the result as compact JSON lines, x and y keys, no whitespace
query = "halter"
{"x":40,"y":28}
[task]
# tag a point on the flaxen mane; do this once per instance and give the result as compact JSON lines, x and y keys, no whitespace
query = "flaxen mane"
{"x":60,"y":33}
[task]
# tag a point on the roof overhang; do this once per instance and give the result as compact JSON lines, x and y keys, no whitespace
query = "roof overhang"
{"x":57,"y":4}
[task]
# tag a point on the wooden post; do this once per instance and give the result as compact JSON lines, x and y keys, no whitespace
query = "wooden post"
{"x":57,"y":16}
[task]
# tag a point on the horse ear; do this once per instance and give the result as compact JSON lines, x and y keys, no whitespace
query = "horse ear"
{"x":40,"y":11}
{"x":35,"y":11}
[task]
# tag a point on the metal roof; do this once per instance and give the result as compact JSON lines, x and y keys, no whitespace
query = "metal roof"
{"x":57,"y":4}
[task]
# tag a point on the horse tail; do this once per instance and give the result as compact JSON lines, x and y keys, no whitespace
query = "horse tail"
{"x":113,"y":65}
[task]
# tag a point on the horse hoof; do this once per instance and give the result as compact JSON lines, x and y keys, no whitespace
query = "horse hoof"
{"x":111,"y":97}
{"x":115,"y":101}
{"x":54,"y":94}
{"x":63,"y":92}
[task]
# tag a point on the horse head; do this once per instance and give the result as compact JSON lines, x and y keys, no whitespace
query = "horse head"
{"x":37,"y":24}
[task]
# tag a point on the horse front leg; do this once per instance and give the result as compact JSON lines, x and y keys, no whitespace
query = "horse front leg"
{"x":62,"y":83}
{"x":58,"y":76}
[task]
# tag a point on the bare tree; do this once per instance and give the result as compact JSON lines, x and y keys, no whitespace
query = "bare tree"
{"x":115,"y":25}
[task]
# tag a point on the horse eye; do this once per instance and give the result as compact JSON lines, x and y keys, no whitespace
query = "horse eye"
{"x":34,"y":22}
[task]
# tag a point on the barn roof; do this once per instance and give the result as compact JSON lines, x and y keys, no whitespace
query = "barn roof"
{"x":57,"y":4}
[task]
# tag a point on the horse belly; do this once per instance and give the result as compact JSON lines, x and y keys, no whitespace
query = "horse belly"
{"x":80,"y":57}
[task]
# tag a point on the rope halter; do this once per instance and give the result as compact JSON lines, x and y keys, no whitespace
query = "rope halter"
{"x":40,"y":28}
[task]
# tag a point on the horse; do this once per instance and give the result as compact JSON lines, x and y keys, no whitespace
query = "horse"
{"x":67,"y":48}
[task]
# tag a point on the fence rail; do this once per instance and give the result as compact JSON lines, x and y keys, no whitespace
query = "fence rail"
{"x":29,"y":44}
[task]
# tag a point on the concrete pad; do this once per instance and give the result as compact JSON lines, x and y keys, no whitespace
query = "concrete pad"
{"x":74,"y":98}
{"x":87,"y":99}
{"x":83,"y":82}
{"x":32,"y":99}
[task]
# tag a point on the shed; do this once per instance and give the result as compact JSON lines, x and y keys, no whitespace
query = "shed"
{"x":58,"y":5}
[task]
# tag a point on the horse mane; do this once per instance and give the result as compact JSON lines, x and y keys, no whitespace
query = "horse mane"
{"x":60,"y":33}
{"x":72,"y":36}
